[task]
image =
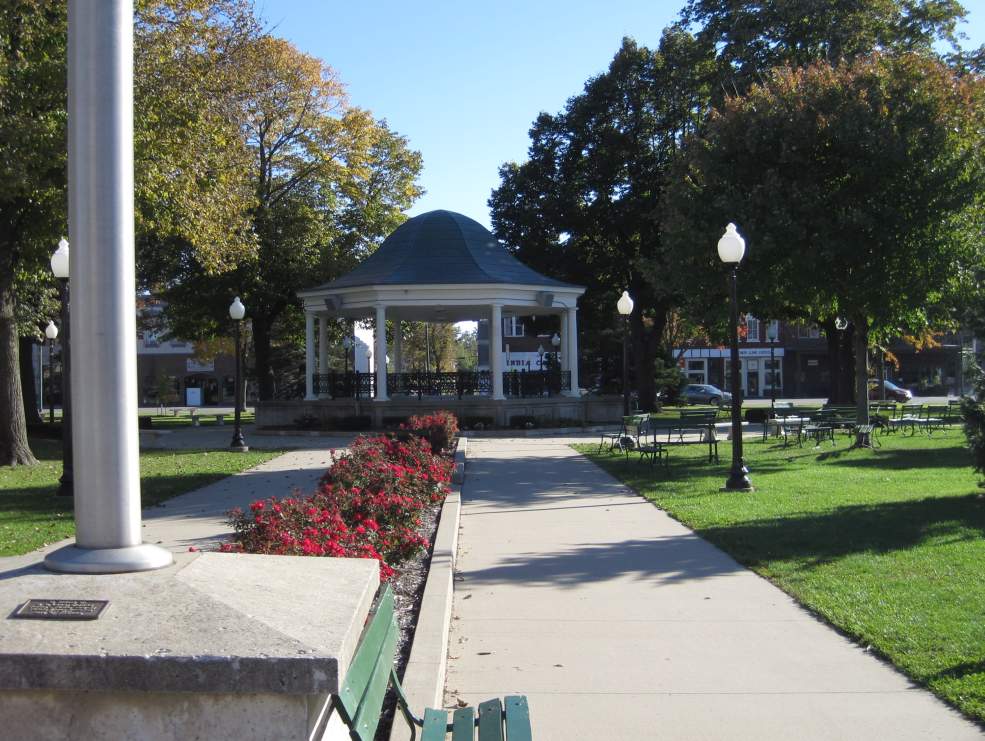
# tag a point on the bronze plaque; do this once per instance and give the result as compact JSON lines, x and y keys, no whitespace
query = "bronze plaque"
{"x":62,"y":609}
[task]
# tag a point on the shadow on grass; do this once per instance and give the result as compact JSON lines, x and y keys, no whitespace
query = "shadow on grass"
{"x":959,"y":671}
{"x":828,"y":536}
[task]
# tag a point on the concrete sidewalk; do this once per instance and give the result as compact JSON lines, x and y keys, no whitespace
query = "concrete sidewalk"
{"x":618,"y":622}
{"x":199,"y":518}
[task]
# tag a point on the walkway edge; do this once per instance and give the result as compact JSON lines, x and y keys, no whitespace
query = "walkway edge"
{"x":424,"y":675}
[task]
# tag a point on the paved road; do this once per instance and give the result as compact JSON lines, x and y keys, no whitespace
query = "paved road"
{"x":619,"y":623}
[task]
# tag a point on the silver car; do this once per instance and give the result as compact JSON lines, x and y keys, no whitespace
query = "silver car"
{"x":703,"y":393}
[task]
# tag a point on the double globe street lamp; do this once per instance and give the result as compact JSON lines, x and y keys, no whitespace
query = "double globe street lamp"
{"x":60,"y":268}
{"x":625,"y":307}
{"x":236,"y":312}
{"x":731,"y":249}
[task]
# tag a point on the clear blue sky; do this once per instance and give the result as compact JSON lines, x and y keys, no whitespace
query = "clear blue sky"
{"x":464,"y":80}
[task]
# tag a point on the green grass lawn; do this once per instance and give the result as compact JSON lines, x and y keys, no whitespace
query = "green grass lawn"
{"x":886,"y":545}
{"x":32,"y":515}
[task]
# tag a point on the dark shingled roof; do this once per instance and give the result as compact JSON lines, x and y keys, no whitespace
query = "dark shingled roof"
{"x":441,"y":247}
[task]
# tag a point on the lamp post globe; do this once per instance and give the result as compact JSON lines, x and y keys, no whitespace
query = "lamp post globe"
{"x":236,"y":312}
{"x":731,"y":246}
{"x":51,"y":332}
{"x":60,"y":260}
{"x":625,"y":307}
{"x":60,"y":264}
{"x":731,"y":249}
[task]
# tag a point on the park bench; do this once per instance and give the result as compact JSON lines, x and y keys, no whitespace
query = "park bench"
{"x":625,"y":436}
{"x":360,"y":697}
{"x":700,"y":422}
{"x":936,"y":417}
{"x":792,"y":420}
{"x":839,"y":416}
{"x":910,"y":417}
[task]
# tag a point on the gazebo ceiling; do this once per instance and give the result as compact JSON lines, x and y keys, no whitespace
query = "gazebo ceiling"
{"x":441,"y":247}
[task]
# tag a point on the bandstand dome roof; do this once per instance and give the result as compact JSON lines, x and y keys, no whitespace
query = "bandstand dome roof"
{"x":441,"y":247}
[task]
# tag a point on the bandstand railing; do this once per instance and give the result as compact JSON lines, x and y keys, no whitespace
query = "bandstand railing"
{"x":516,"y":384}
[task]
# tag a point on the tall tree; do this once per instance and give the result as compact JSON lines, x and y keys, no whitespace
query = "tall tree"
{"x":585,"y":206}
{"x":859,"y":188}
{"x":193,"y":179}
{"x":328,"y":183}
{"x":32,"y":181}
{"x":752,"y":36}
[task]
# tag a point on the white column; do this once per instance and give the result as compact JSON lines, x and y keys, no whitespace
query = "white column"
{"x":379,"y":354}
{"x":572,"y":351}
{"x":323,"y":350}
{"x":495,"y":350}
{"x":398,"y":347}
{"x":103,"y":313}
{"x":565,"y":342}
{"x":309,"y":356}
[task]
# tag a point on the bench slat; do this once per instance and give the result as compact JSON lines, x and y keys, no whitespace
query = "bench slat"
{"x":435,"y":725}
{"x":368,"y":716}
{"x":491,"y":720}
{"x":463,"y":725}
{"x":367,"y":655}
{"x":517,"y":718}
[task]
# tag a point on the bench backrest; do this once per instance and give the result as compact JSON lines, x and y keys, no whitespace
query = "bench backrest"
{"x":700,"y":416}
{"x":361,"y":695}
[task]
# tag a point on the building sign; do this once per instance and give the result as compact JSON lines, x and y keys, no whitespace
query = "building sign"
{"x":524,"y":360}
{"x":194,"y":366}
{"x":723,"y":352}
{"x":193,"y":397}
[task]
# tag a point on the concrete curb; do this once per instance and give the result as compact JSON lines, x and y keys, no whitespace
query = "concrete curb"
{"x":424,"y":675}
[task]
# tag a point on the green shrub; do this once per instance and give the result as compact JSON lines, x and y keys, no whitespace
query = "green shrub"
{"x":523,"y":422}
{"x":354,"y":422}
{"x":478,"y":422}
{"x":307,"y":422}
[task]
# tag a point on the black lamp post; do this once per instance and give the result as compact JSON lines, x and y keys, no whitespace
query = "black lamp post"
{"x":771,"y":330}
{"x":60,"y":267}
{"x":51,"y":332}
{"x":625,"y":307}
{"x":236,"y":312}
{"x":731,"y":248}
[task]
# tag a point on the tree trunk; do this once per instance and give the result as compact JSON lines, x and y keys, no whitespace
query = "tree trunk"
{"x":29,"y":392}
{"x":14,"y":447}
{"x":261,"y":359}
{"x":841,"y":366}
{"x":645,"y":345}
{"x":862,"y":379}
{"x":847,"y":361}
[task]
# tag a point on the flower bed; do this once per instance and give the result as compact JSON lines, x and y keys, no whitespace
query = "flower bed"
{"x":439,"y":429}
{"x":367,"y":505}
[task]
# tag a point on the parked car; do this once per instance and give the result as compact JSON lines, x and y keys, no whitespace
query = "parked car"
{"x":703,"y":393}
{"x":893,"y":392}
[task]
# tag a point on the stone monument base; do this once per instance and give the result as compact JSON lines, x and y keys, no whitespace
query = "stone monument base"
{"x":217,"y":646}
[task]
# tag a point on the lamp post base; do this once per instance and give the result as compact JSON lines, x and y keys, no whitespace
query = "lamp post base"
{"x":239,"y":448}
{"x":72,"y":559}
{"x":738,"y":480}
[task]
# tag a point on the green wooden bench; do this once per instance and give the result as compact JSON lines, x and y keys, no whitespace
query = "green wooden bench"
{"x":360,"y":698}
{"x":700,"y":421}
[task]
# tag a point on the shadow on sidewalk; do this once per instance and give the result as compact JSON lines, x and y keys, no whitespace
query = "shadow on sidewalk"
{"x":662,"y":560}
